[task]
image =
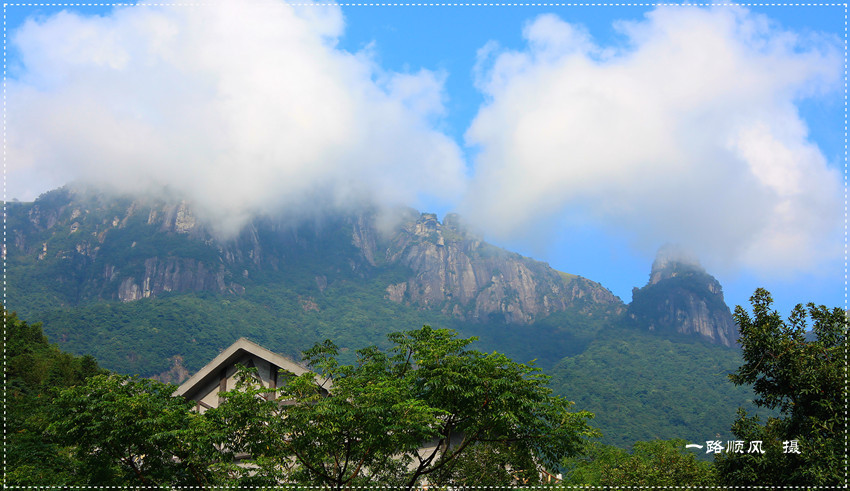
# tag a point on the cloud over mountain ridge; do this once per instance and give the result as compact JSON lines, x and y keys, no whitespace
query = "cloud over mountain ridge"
{"x":690,"y":132}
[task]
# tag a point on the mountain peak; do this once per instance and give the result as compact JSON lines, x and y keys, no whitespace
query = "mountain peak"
{"x":673,"y":260}
{"x":682,"y":297}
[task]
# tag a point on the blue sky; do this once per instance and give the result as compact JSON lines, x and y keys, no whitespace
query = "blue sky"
{"x":581,"y":136}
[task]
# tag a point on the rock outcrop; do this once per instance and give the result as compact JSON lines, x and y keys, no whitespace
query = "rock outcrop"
{"x":459,"y":274}
{"x":682,"y":297}
{"x":117,"y":249}
{"x":174,"y":375}
{"x":171,"y":275}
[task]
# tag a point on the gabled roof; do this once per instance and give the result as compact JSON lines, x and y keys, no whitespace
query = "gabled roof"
{"x":229,"y":356}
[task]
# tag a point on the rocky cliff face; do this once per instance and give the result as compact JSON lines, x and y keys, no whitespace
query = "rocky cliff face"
{"x":115,"y":249}
{"x":170,"y":275}
{"x":129,"y":249}
{"x":457,"y":273}
{"x":680,"y":296}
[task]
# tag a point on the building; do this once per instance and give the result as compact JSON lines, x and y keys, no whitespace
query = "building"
{"x":219,"y":375}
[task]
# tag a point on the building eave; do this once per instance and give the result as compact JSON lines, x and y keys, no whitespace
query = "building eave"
{"x":227,"y":357}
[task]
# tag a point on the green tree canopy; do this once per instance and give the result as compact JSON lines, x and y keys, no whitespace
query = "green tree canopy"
{"x":415,"y":412}
{"x":130,"y":430}
{"x":805,"y":381}
{"x":407,"y":415}
{"x":427,"y":410}
{"x":652,"y":463}
{"x":34,"y":371}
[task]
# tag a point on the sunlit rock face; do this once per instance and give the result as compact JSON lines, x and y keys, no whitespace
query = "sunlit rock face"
{"x":459,"y":274}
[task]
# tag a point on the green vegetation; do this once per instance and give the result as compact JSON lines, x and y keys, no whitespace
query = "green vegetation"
{"x":122,"y":430}
{"x":478,"y":410}
{"x":287,"y":286}
{"x":427,"y":387}
{"x":141,"y":337}
{"x":643,"y":387}
{"x":567,"y":277}
{"x":547,"y":341}
{"x":76,"y":425}
{"x":35,"y":371}
{"x":806,"y":381}
{"x":640,"y":385}
{"x":652,"y":463}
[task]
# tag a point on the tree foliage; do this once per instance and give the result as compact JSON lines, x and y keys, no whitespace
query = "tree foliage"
{"x":652,"y":463}
{"x":426,"y":410}
{"x":129,"y":430}
{"x":34,"y":369}
{"x":413,"y":413}
{"x":643,"y":387}
{"x":804,"y":380}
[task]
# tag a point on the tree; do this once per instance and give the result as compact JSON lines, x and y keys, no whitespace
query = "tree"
{"x":414,"y":413}
{"x":34,"y":370}
{"x":653,"y":463}
{"x":429,"y":410}
{"x":802,"y":379}
{"x":129,"y":430}
{"x":489,"y":399}
{"x":241,"y":439}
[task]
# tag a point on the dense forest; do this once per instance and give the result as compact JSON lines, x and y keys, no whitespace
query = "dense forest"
{"x":642,"y":385}
{"x":76,"y":423}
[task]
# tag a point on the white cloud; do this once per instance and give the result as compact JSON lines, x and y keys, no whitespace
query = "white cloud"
{"x":240,"y":106}
{"x":690,"y":134}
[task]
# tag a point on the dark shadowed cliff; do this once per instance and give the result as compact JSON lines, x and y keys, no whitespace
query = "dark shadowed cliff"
{"x":682,"y":297}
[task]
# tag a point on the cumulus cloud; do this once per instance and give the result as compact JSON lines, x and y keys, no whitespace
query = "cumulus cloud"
{"x":241,"y":107}
{"x":689,"y":133}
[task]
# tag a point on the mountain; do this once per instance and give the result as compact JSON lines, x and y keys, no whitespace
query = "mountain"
{"x":104,"y":272}
{"x":681,"y":297}
{"x":127,"y":249}
{"x":146,"y":287}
